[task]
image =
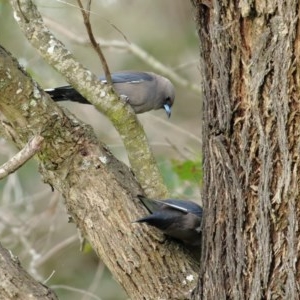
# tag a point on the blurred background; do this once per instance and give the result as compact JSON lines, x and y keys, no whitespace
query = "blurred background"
{"x":33,"y":221}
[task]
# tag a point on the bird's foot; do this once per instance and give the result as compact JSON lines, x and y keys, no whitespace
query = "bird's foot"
{"x":124,"y":98}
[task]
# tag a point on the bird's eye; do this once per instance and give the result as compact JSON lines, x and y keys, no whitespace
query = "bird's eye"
{"x":168,"y":101}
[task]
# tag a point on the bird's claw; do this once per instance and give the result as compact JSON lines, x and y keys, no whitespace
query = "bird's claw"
{"x":124,"y":98}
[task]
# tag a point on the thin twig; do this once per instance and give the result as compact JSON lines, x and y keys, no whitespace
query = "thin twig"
{"x":96,"y":46}
{"x":96,"y":279}
{"x":30,"y":149}
{"x":135,"y":50}
{"x":75,"y":290}
{"x":99,"y":17}
{"x":177,"y":129}
{"x":70,"y":240}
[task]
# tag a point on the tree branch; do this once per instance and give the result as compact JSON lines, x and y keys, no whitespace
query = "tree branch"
{"x":31,"y":148}
{"x":86,"y":18}
{"x":17,"y":284}
{"x":99,"y":191}
{"x":53,"y":51}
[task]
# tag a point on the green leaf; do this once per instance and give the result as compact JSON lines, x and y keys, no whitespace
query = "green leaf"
{"x":188,"y":170}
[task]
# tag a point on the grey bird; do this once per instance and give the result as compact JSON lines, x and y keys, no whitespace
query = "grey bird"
{"x":180,"y":219}
{"x":144,"y":91}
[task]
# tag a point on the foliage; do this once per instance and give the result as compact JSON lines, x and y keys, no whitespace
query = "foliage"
{"x":183,"y":178}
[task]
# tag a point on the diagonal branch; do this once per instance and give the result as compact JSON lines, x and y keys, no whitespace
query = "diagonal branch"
{"x":53,"y":51}
{"x":96,"y":46}
{"x":17,"y":284}
{"x":30,"y":149}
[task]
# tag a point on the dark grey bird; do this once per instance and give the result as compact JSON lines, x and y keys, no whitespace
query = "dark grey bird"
{"x":144,"y":91}
{"x":180,"y":219}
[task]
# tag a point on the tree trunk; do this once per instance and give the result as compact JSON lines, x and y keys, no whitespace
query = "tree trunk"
{"x":250,"y":64}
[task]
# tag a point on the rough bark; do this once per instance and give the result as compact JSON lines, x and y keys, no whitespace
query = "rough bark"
{"x":17,"y":284}
{"x":250,"y":64}
{"x":99,"y":191}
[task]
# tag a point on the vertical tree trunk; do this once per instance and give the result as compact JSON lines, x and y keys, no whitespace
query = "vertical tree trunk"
{"x":250,"y":64}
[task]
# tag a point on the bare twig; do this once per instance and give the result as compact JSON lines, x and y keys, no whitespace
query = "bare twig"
{"x":56,"y":249}
{"x":98,"y":15}
{"x":177,"y":129}
{"x":153,"y":62}
{"x":30,"y":149}
{"x":135,"y":50}
{"x":96,"y":46}
{"x":75,"y":290}
{"x":96,"y":279}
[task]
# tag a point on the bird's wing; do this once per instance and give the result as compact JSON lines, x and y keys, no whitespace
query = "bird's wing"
{"x":179,"y":205}
{"x":130,"y":77}
{"x":183,"y":206}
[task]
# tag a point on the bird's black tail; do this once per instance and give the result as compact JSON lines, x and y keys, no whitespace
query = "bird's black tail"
{"x":64,"y":93}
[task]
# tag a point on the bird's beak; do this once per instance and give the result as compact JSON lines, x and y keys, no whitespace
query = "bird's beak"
{"x":168,"y":110}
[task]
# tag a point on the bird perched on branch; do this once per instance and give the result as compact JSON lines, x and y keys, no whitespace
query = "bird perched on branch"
{"x":144,"y":91}
{"x":180,"y":219}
